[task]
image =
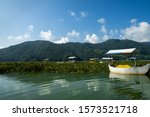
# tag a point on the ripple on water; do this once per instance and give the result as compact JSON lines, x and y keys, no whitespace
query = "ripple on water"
{"x":73,"y":86}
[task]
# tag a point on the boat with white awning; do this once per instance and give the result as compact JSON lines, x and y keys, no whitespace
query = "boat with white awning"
{"x":126,"y":69}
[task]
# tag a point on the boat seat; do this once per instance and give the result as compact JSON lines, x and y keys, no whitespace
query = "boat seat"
{"x":123,"y":66}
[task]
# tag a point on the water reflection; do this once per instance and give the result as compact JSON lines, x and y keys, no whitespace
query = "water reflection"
{"x":73,"y":86}
{"x":133,"y":86}
{"x":93,"y":85}
{"x":138,"y":79}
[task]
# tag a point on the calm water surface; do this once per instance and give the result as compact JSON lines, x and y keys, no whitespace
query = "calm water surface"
{"x":74,"y":86}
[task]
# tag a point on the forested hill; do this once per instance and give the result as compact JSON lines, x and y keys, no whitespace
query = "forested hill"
{"x":39,"y":50}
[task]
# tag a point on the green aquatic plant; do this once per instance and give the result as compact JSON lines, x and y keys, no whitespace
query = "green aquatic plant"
{"x":66,"y":67}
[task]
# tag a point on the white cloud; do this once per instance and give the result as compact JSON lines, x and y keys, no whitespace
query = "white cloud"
{"x":78,"y":16}
{"x":133,"y":21}
{"x":114,"y":33}
{"x":105,"y":37}
{"x":26,"y":36}
{"x":10,"y":37}
{"x":30,"y":28}
{"x":111,"y":32}
{"x":62,"y":40}
{"x":103,"y":29}
{"x":92,"y":38}
{"x":140,"y":32}
{"x":47,"y":35}
{"x":19,"y":37}
{"x":70,"y":35}
{"x":22,"y":37}
{"x":101,"y":20}
{"x":83,"y":14}
{"x":73,"y":33}
{"x":1,"y":47}
{"x":72,"y":13}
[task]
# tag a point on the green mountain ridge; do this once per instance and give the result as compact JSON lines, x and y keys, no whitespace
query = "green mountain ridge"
{"x":39,"y":50}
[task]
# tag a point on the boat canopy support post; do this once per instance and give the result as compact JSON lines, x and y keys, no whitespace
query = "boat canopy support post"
{"x":134,"y":62}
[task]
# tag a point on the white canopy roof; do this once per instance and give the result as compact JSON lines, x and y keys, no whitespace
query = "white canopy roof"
{"x":71,"y":57}
{"x":107,"y":58}
{"x":121,"y":51}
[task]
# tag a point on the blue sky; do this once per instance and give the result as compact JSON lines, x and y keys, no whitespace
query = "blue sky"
{"x":62,"y":21}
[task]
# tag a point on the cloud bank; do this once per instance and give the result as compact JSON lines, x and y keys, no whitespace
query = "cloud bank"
{"x":92,"y":38}
{"x":30,"y":28}
{"x":62,"y":40}
{"x":23,"y":37}
{"x":140,"y":32}
{"x":47,"y":35}
{"x":69,"y":36}
{"x":137,"y":31}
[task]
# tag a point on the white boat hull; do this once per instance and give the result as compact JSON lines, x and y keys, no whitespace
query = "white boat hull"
{"x":132,"y":70}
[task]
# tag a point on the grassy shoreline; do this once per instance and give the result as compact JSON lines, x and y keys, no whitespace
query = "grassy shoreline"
{"x":62,"y":67}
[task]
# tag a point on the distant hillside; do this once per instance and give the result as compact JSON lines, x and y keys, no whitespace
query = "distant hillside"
{"x":39,"y":50}
{"x":146,"y":43}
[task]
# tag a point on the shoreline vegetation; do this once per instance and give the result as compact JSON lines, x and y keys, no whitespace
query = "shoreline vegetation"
{"x":62,"y":67}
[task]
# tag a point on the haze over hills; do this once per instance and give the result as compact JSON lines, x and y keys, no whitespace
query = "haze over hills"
{"x":39,"y":50}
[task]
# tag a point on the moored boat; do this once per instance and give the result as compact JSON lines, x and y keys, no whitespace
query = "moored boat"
{"x":126,"y":69}
{"x":130,"y":70}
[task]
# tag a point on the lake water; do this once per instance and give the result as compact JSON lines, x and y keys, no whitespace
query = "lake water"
{"x":74,"y":86}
